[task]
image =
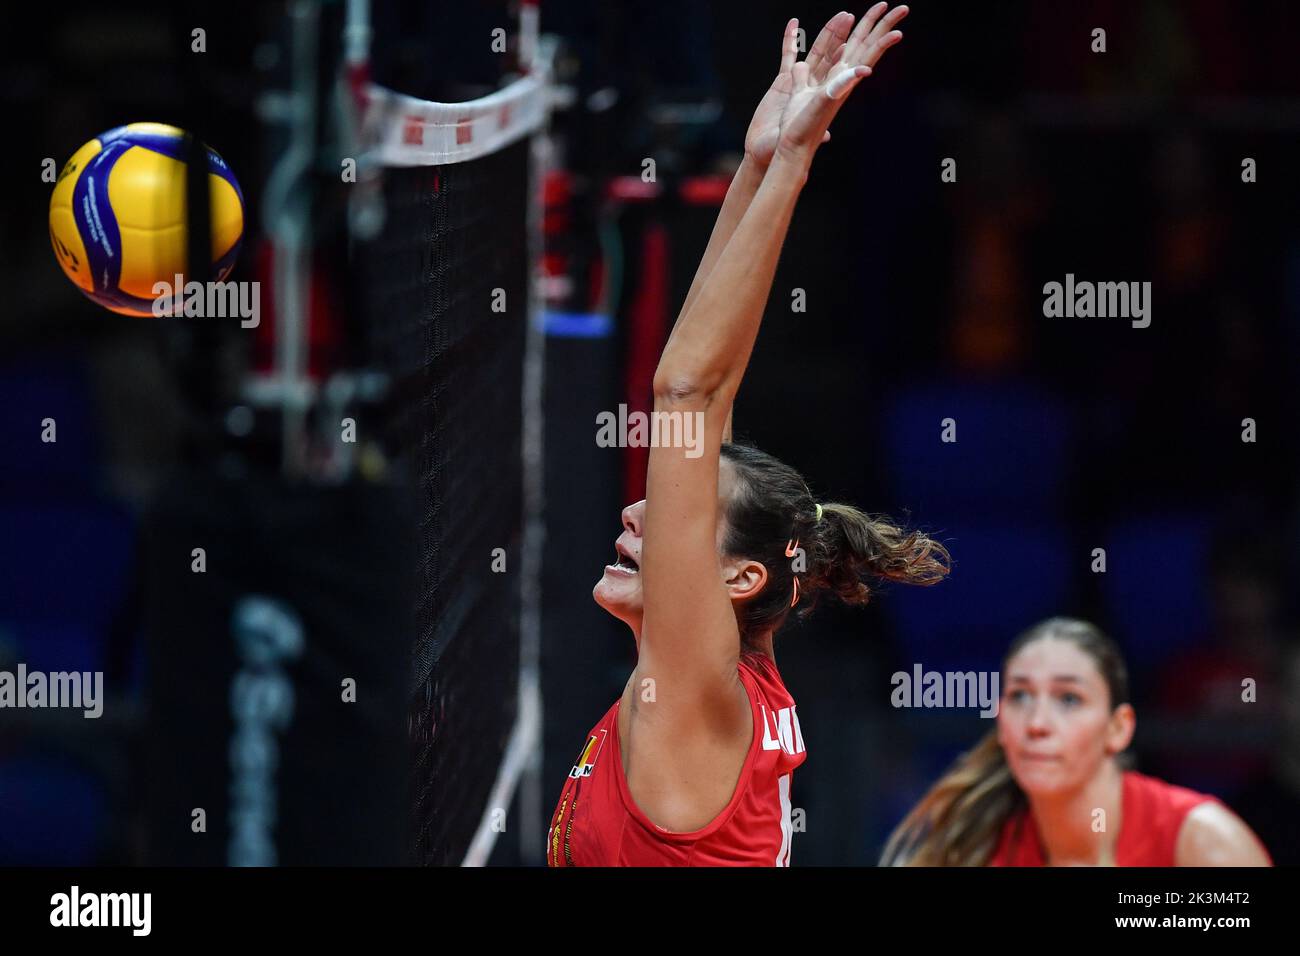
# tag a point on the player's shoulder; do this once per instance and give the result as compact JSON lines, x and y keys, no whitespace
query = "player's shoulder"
{"x":1212,"y":835}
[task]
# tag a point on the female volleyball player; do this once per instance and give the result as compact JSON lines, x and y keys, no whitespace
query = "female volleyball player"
{"x":1047,"y":786}
{"x":692,"y":765}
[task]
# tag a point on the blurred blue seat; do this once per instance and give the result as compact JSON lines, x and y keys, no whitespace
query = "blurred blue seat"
{"x":34,"y":388}
{"x":1011,"y":456}
{"x":1155,"y":585}
{"x":52,"y":812}
{"x":65,"y":562}
{"x":65,"y":571}
{"x":1005,"y":578}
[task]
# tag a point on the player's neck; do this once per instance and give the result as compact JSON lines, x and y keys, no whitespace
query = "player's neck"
{"x":1072,"y":832}
{"x":763,"y":644}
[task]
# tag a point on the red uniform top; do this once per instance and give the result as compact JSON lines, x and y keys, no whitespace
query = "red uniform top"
{"x":1153,"y":813}
{"x":597,"y":823}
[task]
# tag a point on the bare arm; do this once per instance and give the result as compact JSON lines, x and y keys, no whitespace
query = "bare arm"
{"x":739,"y":196}
{"x":810,"y":93}
{"x":760,"y":145}
{"x":689,"y":637}
{"x":760,"y":141}
{"x":690,"y":640}
{"x":711,"y":342}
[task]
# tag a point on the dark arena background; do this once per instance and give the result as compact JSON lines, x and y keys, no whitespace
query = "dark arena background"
{"x":335,"y":567}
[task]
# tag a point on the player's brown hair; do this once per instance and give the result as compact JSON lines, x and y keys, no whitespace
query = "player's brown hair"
{"x":959,"y":820}
{"x":771,"y":507}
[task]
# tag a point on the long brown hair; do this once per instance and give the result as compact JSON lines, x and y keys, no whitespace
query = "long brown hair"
{"x":958,"y":822}
{"x":772,"y":507}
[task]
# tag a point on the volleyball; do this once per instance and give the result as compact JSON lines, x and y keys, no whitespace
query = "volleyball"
{"x":117,"y":216}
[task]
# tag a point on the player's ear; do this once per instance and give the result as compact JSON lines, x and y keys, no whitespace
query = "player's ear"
{"x":1120,"y":728}
{"x":743,"y":578}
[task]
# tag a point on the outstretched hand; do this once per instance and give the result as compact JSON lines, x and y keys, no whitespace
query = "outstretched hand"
{"x":794,"y":114}
{"x":765,"y":128}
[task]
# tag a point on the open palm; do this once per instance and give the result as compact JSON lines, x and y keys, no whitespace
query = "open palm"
{"x":765,"y":128}
{"x":805,"y":95}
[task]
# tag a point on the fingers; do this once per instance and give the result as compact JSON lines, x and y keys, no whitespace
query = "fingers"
{"x":832,"y":36}
{"x":871,"y":38}
{"x":843,"y":82}
{"x":877,"y":49}
{"x":790,"y":45}
{"x":883,"y":36}
{"x":800,"y":73}
{"x":890,"y":20}
{"x":858,"y":38}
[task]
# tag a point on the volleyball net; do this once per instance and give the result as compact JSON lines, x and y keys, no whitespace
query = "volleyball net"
{"x":446,"y":228}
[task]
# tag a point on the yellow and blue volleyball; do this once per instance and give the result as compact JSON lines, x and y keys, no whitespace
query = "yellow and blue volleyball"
{"x":117,"y":216}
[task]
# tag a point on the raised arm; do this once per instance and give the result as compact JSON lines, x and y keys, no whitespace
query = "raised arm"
{"x":760,"y":141}
{"x":760,"y":145}
{"x":809,"y":94}
{"x":689,"y":640}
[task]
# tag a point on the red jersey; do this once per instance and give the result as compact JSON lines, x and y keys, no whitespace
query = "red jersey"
{"x":597,"y":823}
{"x":1153,"y":813}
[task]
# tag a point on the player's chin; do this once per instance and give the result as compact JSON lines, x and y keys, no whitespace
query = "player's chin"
{"x":1042,"y":778}
{"x":617,"y":592}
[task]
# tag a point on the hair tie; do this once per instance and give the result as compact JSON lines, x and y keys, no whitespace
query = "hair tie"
{"x":819,"y":514}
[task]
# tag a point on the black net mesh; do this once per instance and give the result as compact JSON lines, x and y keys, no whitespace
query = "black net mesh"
{"x":453,"y":246}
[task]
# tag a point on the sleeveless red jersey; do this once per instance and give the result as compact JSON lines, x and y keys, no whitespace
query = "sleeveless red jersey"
{"x":597,"y":823}
{"x":1153,"y":813}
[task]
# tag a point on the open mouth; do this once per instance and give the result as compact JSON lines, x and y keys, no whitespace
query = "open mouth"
{"x":625,"y":563}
